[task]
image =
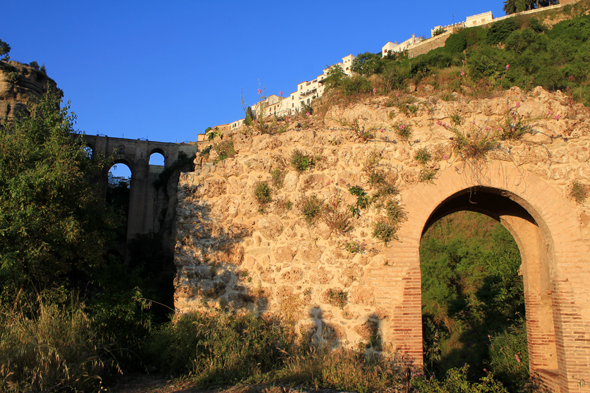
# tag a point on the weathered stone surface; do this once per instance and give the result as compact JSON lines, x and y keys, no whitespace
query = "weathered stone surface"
{"x":362,"y":295}
{"x":321,"y":276}
{"x":285,"y":254}
{"x":309,"y":252}
{"x":376,"y":290}
{"x":270,"y":227}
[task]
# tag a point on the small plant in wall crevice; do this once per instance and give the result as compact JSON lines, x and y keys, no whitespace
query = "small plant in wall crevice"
{"x":300,"y":161}
{"x":578,"y":192}
{"x":336,"y":219}
{"x":422,"y":156}
{"x":337,"y":297}
{"x":355,"y":247}
{"x":278,"y":178}
{"x":403,"y":130}
{"x":386,"y":227}
{"x":262,"y":193}
{"x":311,"y":208}
{"x":225,"y":150}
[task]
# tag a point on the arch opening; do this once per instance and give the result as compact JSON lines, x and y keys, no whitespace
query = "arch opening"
{"x":534,"y":246}
{"x":157,"y":158}
{"x":119,"y":194}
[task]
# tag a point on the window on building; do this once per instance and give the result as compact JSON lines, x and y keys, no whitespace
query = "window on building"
{"x":292,"y":105}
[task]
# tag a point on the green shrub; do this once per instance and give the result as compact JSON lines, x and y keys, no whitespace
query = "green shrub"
{"x":465,"y":39}
{"x":367,"y":64}
{"x":356,"y":85}
{"x":509,"y":356}
{"x":403,"y":130}
{"x":456,"y":43}
{"x":363,"y":201}
{"x":438,"y":31}
{"x":457,"y":381}
{"x":422,"y":156}
{"x":474,"y":144}
{"x":434,"y":59}
{"x":335,"y":77}
{"x":300,"y":161}
{"x":335,"y":218}
{"x":499,"y":31}
{"x":427,"y":174}
{"x":225,"y":150}
{"x":262,"y":193}
{"x":394,"y":212}
{"x":537,"y":25}
{"x":487,"y":63}
{"x":311,"y":208}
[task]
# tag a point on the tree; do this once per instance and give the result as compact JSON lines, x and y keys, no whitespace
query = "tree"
{"x":335,"y":77}
{"x":367,"y":64}
{"x":54,"y":224}
{"x":249,"y":116}
{"x":4,"y":51}
{"x":514,"y":6}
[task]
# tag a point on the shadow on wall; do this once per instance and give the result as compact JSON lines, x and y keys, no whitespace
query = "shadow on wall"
{"x":214,"y":273}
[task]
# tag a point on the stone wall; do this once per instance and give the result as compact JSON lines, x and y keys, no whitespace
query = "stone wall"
{"x":232,"y":252}
{"x":428,"y":45}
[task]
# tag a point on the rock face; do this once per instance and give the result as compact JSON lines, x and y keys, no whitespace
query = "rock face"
{"x":21,"y":84}
{"x":268,"y":258}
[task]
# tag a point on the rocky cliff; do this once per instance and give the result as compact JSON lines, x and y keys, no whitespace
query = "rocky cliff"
{"x":21,"y":84}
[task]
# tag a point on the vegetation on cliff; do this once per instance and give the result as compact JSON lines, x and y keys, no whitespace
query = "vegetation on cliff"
{"x":520,"y":51}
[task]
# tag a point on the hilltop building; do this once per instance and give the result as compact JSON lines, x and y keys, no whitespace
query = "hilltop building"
{"x":308,"y":90}
{"x":399,"y":48}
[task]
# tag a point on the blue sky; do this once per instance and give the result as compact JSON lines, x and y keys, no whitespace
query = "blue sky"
{"x":167,"y":70}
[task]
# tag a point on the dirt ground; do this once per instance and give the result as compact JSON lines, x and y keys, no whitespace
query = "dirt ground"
{"x":138,"y":383}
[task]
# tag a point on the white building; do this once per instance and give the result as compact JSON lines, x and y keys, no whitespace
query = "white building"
{"x":479,"y":19}
{"x":394,"y":47}
{"x":306,"y":92}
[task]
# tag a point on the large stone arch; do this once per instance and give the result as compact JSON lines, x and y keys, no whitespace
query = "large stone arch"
{"x":554,"y":263}
{"x":145,"y":204}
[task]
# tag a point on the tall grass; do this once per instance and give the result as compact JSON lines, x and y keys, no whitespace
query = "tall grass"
{"x":220,"y":348}
{"x":50,"y":348}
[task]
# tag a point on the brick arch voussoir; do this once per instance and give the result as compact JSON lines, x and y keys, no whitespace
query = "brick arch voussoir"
{"x":569,"y":269}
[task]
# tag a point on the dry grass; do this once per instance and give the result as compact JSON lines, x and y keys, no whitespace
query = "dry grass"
{"x":52,"y":348}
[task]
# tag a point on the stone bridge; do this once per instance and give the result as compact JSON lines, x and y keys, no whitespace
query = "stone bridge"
{"x":145,"y":203}
{"x":232,"y":251}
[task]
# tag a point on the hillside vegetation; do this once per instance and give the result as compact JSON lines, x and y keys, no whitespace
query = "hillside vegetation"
{"x":472,"y":298}
{"x":522,"y":51}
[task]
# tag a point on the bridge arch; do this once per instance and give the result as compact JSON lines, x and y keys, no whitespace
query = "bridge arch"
{"x":158,"y":150}
{"x":553,"y":253}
